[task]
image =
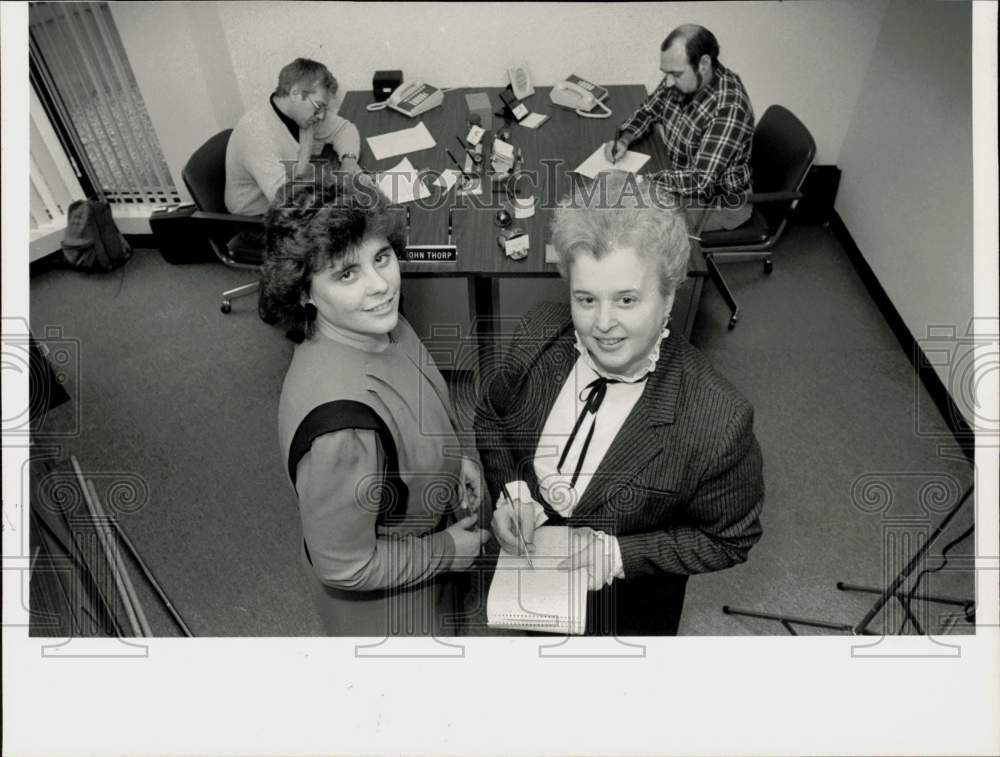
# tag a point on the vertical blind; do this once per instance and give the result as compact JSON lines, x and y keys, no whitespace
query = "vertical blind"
{"x":53,"y":184}
{"x":82,"y":64}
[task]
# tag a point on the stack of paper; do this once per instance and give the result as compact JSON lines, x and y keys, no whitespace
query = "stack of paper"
{"x":402,"y":183}
{"x":597,"y":163}
{"x":540,"y":598}
{"x":401,"y":142}
{"x":533,"y":120}
{"x":503,"y":156}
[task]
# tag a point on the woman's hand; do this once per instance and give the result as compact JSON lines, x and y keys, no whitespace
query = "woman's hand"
{"x":592,"y":552}
{"x":468,"y":541}
{"x":508,"y":518}
{"x":471,"y":489}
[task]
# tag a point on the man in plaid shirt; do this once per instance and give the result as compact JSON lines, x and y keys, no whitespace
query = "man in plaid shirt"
{"x":705,"y":119}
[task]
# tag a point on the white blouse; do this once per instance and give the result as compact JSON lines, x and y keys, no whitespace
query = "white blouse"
{"x":555,"y":482}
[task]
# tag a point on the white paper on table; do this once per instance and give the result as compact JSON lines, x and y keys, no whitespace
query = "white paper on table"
{"x":400,"y":142}
{"x":534,"y":120}
{"x":402,"y":183}
{"x":631,"y":162}
{"x":448,"y":178}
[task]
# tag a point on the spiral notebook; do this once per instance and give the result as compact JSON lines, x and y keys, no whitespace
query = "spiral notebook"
{"x":541,"y":598}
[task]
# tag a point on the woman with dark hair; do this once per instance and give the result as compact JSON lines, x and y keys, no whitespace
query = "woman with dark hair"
{"x":365,"y":422}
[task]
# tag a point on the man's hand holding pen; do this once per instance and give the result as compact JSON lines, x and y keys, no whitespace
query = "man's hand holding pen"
{"x":615,"y":151}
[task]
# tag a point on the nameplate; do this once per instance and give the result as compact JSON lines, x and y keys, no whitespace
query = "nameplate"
{"x":430,"y":253}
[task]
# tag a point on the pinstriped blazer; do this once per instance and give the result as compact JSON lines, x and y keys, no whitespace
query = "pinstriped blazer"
{"x":681,"y":486}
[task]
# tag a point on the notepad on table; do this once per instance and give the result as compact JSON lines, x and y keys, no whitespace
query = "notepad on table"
{"x":533,"y":120}
{"x":597,"y":163}
{"x":401,"y":142}
{"x":402,"y":183}
{"x":540,"y":598}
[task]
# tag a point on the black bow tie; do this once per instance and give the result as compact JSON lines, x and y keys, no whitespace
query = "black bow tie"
{"x":595,"y":391}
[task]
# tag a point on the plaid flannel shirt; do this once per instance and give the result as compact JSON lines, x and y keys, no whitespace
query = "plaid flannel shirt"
{"x":708,"y":138}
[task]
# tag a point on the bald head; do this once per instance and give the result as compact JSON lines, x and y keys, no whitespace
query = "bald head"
{"x":696,"y":41}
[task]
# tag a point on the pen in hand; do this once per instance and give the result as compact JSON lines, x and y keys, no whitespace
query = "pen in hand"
{"x":614,"y":145}
{"x":517,"y":524}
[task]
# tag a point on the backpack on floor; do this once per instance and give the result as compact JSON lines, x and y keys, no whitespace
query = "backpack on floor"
{"x":92,"y":241}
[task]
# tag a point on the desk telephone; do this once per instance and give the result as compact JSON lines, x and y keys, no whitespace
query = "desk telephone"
{"x":411,"y":99}
{"x":580,"y":95}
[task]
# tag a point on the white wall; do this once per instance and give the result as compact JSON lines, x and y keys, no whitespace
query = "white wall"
{"x":180,"y":61}
{"x":906,"y":192}
{"x":200,"y":64}
{"x":809,"y":56}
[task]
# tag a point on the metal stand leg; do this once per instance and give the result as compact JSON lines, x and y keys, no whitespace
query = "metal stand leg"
{"x":893,"y":590}
{"x":241,"y":291}
{"x":723,"y":287}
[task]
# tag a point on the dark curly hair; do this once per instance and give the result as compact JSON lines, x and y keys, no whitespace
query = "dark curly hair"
{"x":309,"y":227}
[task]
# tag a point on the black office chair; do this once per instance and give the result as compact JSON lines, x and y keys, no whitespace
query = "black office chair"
{"x":783,"y":151}
{"x":238,"y":241}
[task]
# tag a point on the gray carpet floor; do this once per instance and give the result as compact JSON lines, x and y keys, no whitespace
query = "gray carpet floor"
{"x":177,"y":402}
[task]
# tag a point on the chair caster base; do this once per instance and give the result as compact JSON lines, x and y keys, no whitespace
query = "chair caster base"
{"x":227,"y":306}
{"x":768,"y":267}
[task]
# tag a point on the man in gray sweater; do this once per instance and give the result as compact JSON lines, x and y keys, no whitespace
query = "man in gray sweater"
{"x":283,"y":135}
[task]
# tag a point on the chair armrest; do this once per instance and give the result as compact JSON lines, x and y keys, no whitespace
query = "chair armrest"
{"x":224,"y":226}
{"x":762,"y":197}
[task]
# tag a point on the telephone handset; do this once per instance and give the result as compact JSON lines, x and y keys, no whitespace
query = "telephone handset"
{"x":411,"y":99}
{"x":520,"y":81}
{"x":580,"y":95}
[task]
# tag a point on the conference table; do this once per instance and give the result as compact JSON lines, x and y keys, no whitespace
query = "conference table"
{"x":550,"y":153}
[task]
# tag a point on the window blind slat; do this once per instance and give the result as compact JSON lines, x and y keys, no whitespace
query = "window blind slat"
{"x":51,"y":52}
{"x":43,"y":163}
{"x":114,"y":144}
{"x":36,"y":207}
{"x":154,"y":157}
{"x":98,"y":96}
{"x":44,"y":191}
{"x":129,"y":151}
{"x":44,"y":137}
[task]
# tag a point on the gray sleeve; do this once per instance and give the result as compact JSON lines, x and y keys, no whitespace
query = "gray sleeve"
{"x":338,"y":520}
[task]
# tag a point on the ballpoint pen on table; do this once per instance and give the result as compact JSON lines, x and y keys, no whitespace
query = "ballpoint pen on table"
{"x":474,"y":157}
{"x":455,"y":161}
{"x":618,"y":135}
{"x":517,"y":524}
{"x":462,"y":175}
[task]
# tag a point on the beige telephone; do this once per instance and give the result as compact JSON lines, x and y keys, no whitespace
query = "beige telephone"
{"x":580,"y":95}
{"x":411,"y":99}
